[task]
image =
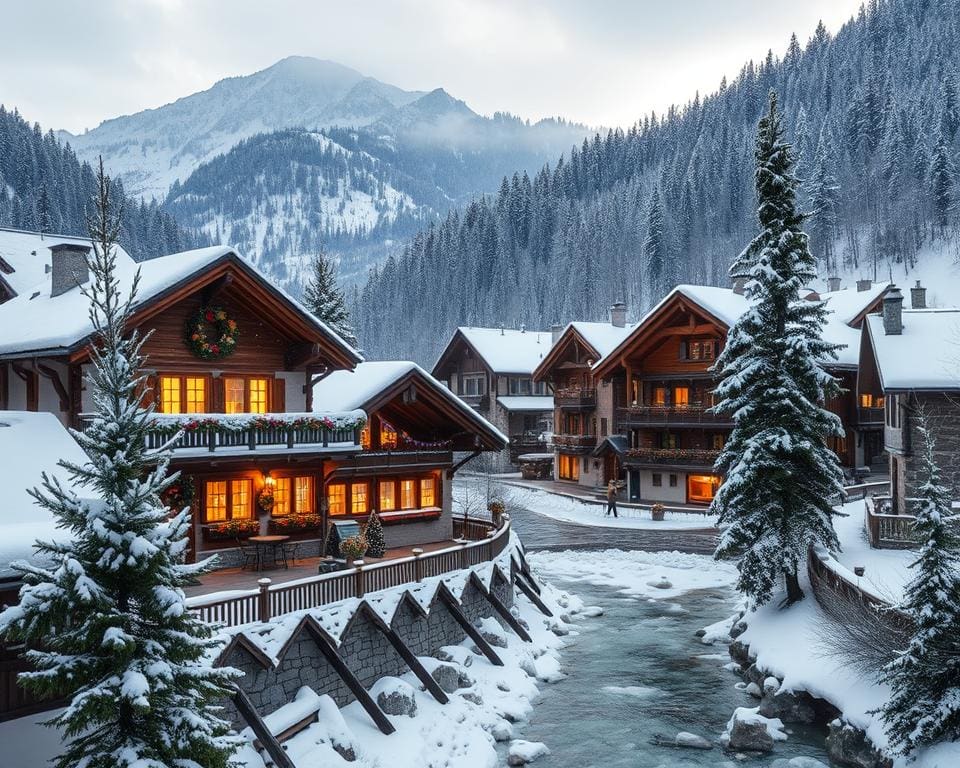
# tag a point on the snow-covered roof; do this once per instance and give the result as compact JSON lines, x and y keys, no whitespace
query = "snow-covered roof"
{"x":727,"y":306}
{"x":28,"y":255}
{"x":30,"y":443}
{"x":926,"y":355}
{"x":509,"y":351}
{"x":35,"y":321}
{"x":603,"y":337}
{"x":526,"y":402}
{"x":356,"y":389}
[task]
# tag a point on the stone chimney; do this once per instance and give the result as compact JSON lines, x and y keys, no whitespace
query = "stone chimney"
{"x":893,"y":312}
{"x":833,"y":284}
{"x":918,"y":297}
{"x":864,"y":285}
{"x":68,"y":267}
{"x":618,"y":315}
{"x":555,"y":332}
{"x":739,"y":284}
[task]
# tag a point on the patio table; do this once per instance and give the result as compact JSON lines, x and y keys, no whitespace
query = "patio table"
{"x":263,"y":543}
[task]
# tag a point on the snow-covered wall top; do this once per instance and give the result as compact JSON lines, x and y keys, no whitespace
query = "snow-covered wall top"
{"x":506,"y":350}
{"x":924,"y":356}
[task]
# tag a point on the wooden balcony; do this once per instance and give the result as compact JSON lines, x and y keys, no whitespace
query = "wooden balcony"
{"x":399,"y":458}
{"x":576,"y":442}
{"x":480,"y":402}
{"x":699,"y":458}
{"x":521,"y":444}
{"x":692,"y":415}
{"x":870,"y":416}
{"x":575,"y":399}
{"x":886,"y":529}
{"x":226,"y":434}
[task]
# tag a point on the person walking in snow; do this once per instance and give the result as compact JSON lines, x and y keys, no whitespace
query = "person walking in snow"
{"x":612,"y":487}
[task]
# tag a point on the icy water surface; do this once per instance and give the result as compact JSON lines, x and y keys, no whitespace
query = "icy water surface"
{"x":634,"y":673}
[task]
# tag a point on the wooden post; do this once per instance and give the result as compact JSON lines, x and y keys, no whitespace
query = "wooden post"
{"x":463,"y":551}
{"x":263,"y":603}
{"x":417,"y":563}
{"x":358,"y":565}
{"x":250,"y":715}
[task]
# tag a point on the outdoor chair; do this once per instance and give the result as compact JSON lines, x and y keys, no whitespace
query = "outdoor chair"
{"x":290,"y":553}
{"x":249,"y":556}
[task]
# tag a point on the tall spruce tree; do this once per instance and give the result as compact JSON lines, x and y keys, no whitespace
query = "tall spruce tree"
{"x":655,"y":244}
{"x":325,"y":299}
{"x":109,"y":613}
{"x":925,"y":677}
{"x":780,"y":474}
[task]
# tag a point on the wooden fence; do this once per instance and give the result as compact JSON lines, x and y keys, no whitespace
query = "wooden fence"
{"x":886,"y":529}
{"x":482,"y":542}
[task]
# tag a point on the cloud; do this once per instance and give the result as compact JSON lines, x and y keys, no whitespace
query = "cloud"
{"x":605,"y":62}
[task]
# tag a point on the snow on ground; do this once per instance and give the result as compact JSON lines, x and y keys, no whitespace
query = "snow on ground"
{"x":573,"y":511}
{"x":460,"y":734}
{"x":651,"y":575}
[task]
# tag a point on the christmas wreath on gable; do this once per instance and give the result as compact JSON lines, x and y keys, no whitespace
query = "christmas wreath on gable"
{"x":224,"y":339}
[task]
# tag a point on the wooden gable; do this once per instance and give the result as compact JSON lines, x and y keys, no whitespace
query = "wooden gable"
{"x":459,"y":356}
{"x":572,"y":352}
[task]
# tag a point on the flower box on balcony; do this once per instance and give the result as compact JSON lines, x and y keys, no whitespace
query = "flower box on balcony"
{"x":305,"y":523}
{"x":231,"y":529}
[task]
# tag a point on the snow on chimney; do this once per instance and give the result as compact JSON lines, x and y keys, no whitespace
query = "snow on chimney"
{"x":68,"y":267}
{"x":918,"y":297}
{"x":893,"y":312}
{"x":833,"y":284}
{"x":864,"y":285}
{"x":555,"y":332}
{"x":618,"y":315}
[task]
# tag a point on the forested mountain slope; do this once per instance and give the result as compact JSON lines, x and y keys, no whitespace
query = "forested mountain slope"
{"x":873,"y":112}
{"x":43,"y":186}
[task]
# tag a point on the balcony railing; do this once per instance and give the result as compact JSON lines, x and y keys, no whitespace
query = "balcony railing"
{"x":574,"y":441}
{"x":672,"y":415}
{"x":476,"y":401}
{"x":233,"y":433}
{"x":694,"y":457}
{"x":575,"y":397}
{"x":888,"y":530}
{"x":870,"y":415}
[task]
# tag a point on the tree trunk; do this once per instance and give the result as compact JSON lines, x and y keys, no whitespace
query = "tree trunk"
{"x":794,"y":593}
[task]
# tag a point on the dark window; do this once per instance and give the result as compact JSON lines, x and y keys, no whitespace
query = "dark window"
{"x":603,"y":427}
{"x":657,"y":480}
{"x":673,"y":481}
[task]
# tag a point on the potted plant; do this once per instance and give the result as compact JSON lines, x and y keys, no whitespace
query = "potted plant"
{"x":658,"y":511}
{"x":353,"y":548}
{"x":497,"y":508}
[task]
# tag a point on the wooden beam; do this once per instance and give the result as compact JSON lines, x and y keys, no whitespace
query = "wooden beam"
{"x":4,"y":387}
{"x":532,"y":596}
{"x":300,"y":354}
{"x":409,"y":658}
{"x":58,"y":386}
{"x":508,"y":617}
{"x":474,"y":634}
{"x":250,"y":715}
{"x":210,"y":292}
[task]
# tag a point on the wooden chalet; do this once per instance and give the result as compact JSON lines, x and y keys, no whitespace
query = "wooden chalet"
{"x":491,"y":370}
{"x":664,"y":440}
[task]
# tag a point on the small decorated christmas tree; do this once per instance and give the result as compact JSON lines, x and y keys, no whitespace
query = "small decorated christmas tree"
{"x":373,"y":533}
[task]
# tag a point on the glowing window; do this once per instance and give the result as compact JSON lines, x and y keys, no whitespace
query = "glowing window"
{"x":337,"y":499}
{"x":365,"y":438}
{"x":241,"y":506}
{"x":233,"y":392}
{"x":358,"y":498}
{"x":866,"y":401}
{"x":681,"y":397}
{"x":408,"y":494}
{"x":258,"y":395}
{"x":170,"y":394}
{"x":196,"y":394}
{"x":388,"y":495}
{"x":659,"y":395}
{"x":388,"y":437}
{"x":428,"y":492}
{"x":702,"y":487}
{"x":216,"y":501}
{"x":281,"y":496}
{"x":303,"y":490}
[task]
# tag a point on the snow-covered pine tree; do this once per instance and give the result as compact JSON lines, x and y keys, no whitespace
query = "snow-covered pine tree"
{"x":942,"y":172}
{"x":108,"y":615}
{"x":925,"y":677}
{"x":655,"y":244}
{"x":373,"y":533}
{"x":824,"y":195}
{"x":780,"y":474}
{"x":325,"y":299}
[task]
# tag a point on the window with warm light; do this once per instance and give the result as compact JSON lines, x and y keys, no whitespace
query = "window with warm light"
{"x":717,"y":441}
{"x":196,"y":387}
{"x":702,"y":487}
{"x":258,"y":395}
{"x":281,"y":496}
{"x":359,"y":498}
{"x":388,"y":437}
{"x":215,"y":503}
{"x":241,"y":499}
{"x":170,"y":395}
{"x":428,"y":492}
{"x":659,"y":396}
{"x":388,"y":495}
{"x":681,"y":397}
{"x":234,"y":395}
{"x":569,"y":467}
{"x":337,"y":499}
{"x":303,"y":493}
{"x":408,"y":494}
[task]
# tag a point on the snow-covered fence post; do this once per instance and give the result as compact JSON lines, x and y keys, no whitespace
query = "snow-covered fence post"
{"x":358,"y":565}
{"x":417,"y":563}
{"x":263,"y":604}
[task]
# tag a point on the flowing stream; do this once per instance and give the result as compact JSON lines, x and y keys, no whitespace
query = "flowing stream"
{"x":639,"y":671}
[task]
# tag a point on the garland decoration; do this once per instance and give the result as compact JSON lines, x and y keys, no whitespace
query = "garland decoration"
{"x":225,"y":338}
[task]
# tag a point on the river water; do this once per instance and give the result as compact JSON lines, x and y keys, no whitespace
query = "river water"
{"x":639,"y":671}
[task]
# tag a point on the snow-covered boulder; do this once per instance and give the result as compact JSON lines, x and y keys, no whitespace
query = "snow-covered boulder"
{"x":662,"y":583}
{"x":493,"y":633}
{"x":457,"y":654}
{"x":523,"y":752}
{"x":394,"y":696}
{"x":592,"y":611}
{"x":548,"y":669}
{"x":502,"y":730}
{"x":849,"y":746}
{"x":447,"y":677}
{"x":740,"y":652}
{"x":749,"y":731}
{"x":692,"y":741}
{"x":788,"y":706}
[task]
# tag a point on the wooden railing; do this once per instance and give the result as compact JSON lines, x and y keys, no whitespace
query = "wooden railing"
{"x":695,"y":457}
{"x":671,"y":415}
{"x":575,"y":397}
{"x":270,"y":600}
{"x":886,"y":529}
{"x":870,"y":415}
{"x":225,"y":440}
{"x":575,"y":441}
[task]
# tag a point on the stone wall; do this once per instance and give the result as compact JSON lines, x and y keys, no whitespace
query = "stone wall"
{"x":943,"y":414}
{"x":363,"y":647}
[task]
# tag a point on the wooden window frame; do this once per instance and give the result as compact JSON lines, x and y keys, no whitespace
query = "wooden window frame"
{"x":246,"y":378}
{"x":292,"y":502}
{"x":373,"y":494}
{"x":230,"y":480}
{"x":183,"y":376}
{"x":714,"y":484}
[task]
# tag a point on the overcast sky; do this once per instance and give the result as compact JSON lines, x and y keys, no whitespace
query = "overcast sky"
{"x":602,"y":62}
